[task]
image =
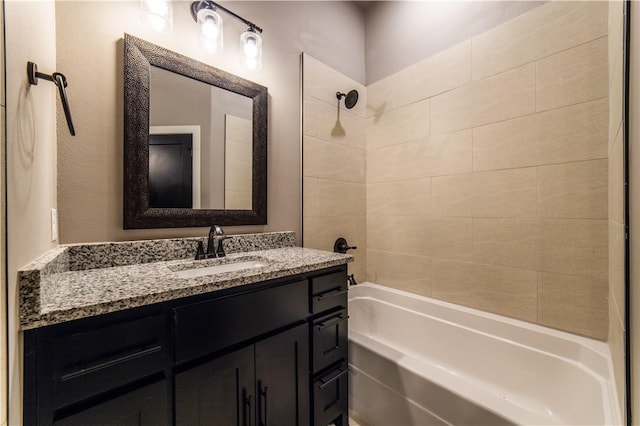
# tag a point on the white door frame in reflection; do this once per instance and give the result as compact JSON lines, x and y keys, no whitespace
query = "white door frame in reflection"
{"x":194,"y":131}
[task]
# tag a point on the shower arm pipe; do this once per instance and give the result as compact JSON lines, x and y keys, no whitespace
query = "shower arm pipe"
{"x":197,"y":5}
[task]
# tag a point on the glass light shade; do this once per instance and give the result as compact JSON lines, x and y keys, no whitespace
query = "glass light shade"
{"x":211,"y":36}
{"x":157,"y":13}
{"x":251,"y":49}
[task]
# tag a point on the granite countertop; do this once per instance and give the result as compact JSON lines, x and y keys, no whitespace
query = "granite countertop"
{"x":58,"y":287}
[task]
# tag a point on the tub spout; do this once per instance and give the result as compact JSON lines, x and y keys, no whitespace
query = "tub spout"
{"x":351,"y":280}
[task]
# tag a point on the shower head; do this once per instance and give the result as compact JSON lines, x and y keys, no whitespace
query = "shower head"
{"x":351,"y":98}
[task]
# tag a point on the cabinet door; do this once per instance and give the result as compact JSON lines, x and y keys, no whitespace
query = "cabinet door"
{"x":219,"y":392}
{"x":282,"y":373}
{"x":146,"y":406}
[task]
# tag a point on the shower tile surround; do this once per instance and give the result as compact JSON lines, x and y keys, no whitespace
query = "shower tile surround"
{"x":486,"y":170}
{"x":487,"y":174}
{"x":77,"y":281}
{"x":334,"y":158}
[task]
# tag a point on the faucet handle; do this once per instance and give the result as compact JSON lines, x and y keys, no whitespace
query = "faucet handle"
{"x":341,"y":246}
{"x":200,"y":251}
{"x":220,"y":248}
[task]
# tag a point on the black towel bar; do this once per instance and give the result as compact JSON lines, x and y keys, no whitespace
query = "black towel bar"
{"x":59,"y":80}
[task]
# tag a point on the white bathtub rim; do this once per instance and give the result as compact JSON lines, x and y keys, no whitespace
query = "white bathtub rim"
{"x":597,"y":375}
{"x":603,"y":372}
{"x":601,"y":348}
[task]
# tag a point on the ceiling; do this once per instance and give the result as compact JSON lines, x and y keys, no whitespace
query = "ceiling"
{"x":364,"y":5}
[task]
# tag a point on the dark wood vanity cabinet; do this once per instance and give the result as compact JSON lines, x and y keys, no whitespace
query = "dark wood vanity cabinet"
{"x":146,"y":405}
{"x":256,"y":385}
{"x":111,"y":368}
{"x":272,"y":353}
{"x":329,"y":343}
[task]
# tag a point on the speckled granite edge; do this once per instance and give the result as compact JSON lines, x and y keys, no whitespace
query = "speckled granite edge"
{"x":40,"y":281}
{"x":79,"y":294}
{"x":29,"y":277}
{"x":107,"y":255}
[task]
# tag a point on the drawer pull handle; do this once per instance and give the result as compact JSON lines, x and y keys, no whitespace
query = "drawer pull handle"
{"x":328,"y":351}
{"x":111,"y":363}
{"x":330,"y":293}
{"x":325,"y":383}
{"x":331,"y":322}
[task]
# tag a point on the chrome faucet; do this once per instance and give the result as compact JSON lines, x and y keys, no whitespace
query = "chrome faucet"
{"x":215,"y":232}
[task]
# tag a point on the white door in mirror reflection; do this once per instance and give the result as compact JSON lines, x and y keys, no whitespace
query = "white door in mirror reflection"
{"x":174,"y":167}
{"x":238,"y":167}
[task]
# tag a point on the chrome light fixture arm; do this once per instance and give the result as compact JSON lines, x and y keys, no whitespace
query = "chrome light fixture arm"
{"x":208,"y":4}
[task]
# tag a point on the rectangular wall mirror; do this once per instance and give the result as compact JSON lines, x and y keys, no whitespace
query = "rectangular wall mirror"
{"x":195,"y":142}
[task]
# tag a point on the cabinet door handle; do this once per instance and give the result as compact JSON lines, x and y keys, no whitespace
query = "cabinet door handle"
{"x":337,"y":291}
{"x":246,"y":408}
{"x":337,"y":319}
{"x":325,"y":383}
{"x":262,"y":414}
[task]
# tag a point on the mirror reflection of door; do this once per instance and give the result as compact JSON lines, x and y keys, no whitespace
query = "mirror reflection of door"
{"x":238,"y":163}
{"x":176,"y":101}
{"x":192,"y":133}
{"x":170,"y":171}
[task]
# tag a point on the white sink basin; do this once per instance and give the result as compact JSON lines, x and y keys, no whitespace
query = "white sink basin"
{"x":219,"y":269}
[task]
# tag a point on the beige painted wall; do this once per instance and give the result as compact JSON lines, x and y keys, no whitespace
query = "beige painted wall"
{"x":31,"y":158}
{"x":4,"y":398}
{"x":616,"y":197}
{"x":90,"y":53}
{"x":634,"y":157}
{"x":334,"y":152}
{"x":487,"y":171}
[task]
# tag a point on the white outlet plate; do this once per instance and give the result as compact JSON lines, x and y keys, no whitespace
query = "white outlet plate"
{"x":54,"y":225}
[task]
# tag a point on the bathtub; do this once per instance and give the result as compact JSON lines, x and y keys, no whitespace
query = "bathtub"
{"x":420,"y":361}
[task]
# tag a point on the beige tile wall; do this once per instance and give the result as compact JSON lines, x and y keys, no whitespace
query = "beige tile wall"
{"x":334,"y":160}
{"x":487,"y":171}
{"x":616,"y":196}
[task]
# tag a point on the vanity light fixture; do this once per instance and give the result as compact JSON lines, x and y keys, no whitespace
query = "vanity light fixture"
{"x":158,"y":13}
{"x":205,"y":13}
{"x":210,"y":26}
{"x":252,"y":49}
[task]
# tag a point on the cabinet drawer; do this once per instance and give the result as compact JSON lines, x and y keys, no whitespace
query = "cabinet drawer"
{"x":88,"y":361}
{"x":330,"y":339}
{"x":328,"y":292}
{"x":209,"y":326}
{"x":330,"y":395}
{"x":145,"y":406}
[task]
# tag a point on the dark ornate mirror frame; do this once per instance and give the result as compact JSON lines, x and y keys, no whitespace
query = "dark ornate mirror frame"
{"x":139,"y":55}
